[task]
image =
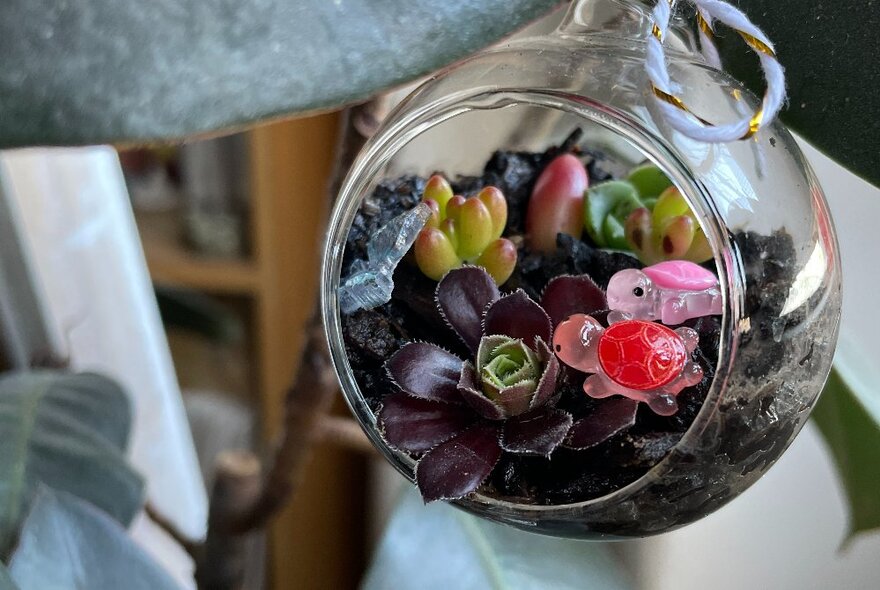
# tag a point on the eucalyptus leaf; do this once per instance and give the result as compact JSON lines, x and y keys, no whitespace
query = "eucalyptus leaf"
{"x":853,"y":436}
{"x":828,"y":51}
{"x":6,"y":582}
{"x":437,"y":547}
{"x":66,"y":543}
{"x":68,"y":431}
{"x":96,"y":71}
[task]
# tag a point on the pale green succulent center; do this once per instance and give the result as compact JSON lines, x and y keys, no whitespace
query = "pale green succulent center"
{"x":506,"y":364}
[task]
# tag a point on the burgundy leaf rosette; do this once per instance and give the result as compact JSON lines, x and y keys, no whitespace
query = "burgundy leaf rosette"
{"x":459,"y":415}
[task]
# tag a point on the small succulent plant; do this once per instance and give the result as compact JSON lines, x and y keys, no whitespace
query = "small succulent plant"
{"x":557,"y":202}
{"x":646,"y":215}
{"x":459,"y":416}
{"x":649,"y":181}
{"x":669,"y":232}
{"x":464,"y":230}
{"x":607,"y":207}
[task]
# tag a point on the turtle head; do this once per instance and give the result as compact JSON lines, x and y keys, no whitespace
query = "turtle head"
{"x":575,"y":342}
{"x":632,"y":291}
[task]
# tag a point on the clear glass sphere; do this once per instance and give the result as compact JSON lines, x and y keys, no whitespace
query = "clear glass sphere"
{"x":753,"y":198}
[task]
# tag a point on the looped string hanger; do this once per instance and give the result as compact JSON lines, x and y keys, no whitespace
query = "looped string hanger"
{"x":666,"y":92}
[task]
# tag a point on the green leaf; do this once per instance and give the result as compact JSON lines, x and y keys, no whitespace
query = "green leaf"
{"x":615,"y":200}
{"x":69,"y":432}
{"x":852,"y":433}
{"x":438,"y":547}
{"x":828,"y":50}
{"x":68,"y":543}
{"x":96,"y":71}
{"x":6,"y":582}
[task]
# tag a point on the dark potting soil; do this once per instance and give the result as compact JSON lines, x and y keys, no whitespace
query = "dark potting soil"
{"x":371,"y":336}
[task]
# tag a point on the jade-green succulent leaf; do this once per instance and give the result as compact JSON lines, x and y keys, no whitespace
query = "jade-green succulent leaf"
{"x":649,"y":180}
{"x":606,"y":208}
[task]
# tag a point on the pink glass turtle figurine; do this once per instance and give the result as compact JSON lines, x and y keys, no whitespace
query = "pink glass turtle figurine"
{"x":644,"y":361}
{"x":671,"y":291}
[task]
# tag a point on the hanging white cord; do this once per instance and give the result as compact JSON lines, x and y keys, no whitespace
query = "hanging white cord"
{"x":666,"y":92}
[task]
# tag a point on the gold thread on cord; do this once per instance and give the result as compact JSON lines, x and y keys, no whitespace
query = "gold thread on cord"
{"x":755,"y":123}
{"x":756,"y":44}
{"x":704,"y":26}
{"x":677,"y":103}
{"x":752,"y":41}
{"x":655,"y":30}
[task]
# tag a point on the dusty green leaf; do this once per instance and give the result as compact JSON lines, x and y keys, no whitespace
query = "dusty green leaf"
{"x":95,"y":71}
{"x":438,"y":547}
{"x":68,"y":543}
{"x":852,"y":433}
{"x":67,"y":431}
{"x":6,"y":582}
{"x":828,"y":50}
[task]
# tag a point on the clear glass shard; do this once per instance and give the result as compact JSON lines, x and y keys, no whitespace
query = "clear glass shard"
{"x":370,"y":283}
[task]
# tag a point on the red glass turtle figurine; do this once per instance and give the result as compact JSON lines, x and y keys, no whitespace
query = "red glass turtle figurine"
{"x":644,"y":361}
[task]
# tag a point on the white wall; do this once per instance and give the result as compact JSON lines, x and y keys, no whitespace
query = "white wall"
{"x":81,"y":238}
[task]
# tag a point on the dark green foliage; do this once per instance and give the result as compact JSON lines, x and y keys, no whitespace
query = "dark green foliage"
{"x":853,"y":436}
{"x":69,"y":432}
{"x":829,"y":53}
{"x":68,"y":543}
{"x":95,"y":71}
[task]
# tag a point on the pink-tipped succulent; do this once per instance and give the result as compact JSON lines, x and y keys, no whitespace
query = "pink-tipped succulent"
{"x":463,"y":231}
{"x":557,"y":203}
{"x":669,"y":232}
{"x":459,"y":415}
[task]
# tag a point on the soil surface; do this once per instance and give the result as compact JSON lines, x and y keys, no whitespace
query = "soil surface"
{"x":371,"y":336}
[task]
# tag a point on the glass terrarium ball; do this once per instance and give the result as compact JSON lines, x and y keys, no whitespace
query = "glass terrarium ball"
{"x":549,"y":307}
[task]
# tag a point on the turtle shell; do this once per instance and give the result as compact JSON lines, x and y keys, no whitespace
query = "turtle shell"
{"x":681,"y":274}
{"x":641,"y":355}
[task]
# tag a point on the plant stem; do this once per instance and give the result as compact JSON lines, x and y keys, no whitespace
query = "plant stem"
{"x":307,"y":401}
{"x":190,"y":546}
{"x":222,"y":561}
{"x":241,"y":501}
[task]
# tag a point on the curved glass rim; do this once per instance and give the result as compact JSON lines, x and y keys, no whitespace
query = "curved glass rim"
{"x":404,"y":125}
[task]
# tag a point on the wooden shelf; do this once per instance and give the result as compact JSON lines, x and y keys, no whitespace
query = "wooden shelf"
{"x":170,"y":262}
{"x":289,"y":164}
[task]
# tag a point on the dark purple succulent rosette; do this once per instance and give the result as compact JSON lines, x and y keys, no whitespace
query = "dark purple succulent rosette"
{"x":459,"y":415}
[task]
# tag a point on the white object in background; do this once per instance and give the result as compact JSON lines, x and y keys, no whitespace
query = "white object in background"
{"x":782,"y":534}
{"x":81,"y":236}
{"x":785,"y":533}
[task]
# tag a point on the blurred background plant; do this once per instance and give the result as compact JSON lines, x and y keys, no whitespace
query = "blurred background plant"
{"x":128,"y":73}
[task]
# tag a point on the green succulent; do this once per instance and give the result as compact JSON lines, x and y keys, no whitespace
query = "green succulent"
{"x":607,"y":206}
{"x":512,"y":374}
{"x":504,"y":362}
{"x":463,"y":231}
{"x":647,"y":215}
{"x":670,"y":231}
{"x":649,"y":181}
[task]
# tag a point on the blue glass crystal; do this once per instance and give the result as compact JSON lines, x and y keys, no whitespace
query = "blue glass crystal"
{"x":370,"y":283}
